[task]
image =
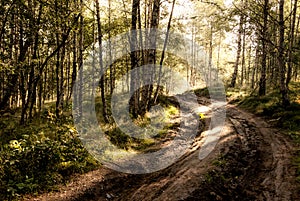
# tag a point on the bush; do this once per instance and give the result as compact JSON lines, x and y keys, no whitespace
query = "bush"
{"x":45,"y":154}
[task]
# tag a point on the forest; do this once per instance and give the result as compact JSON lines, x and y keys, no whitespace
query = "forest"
{"x":149,"y":100}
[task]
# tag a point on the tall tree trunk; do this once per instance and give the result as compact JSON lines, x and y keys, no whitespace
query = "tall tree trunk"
{"x":133,"y":58}
{"x":262,"y":82}
{"x":238,"y":54}
{"x":243,"y":70}
{"x":152,"y":52}
{"x":254,"y":69}
{"x":163,"y":52}
{"x":80,"y":73}
{"x":210,"y":53}
{"x":74,"y":71}
{"x":102,"y":81}
{"x":249,"y":65}
{"x":57,"y":67}
{"x":32,"y":88}
{"x":111,"y":70}
{"x":281,"y":60}
{"x":291,"y":45}
{"x":218,"y":58}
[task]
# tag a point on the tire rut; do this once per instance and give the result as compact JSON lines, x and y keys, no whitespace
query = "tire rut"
{"x":252,"y":161}
{"x":276,"y":150}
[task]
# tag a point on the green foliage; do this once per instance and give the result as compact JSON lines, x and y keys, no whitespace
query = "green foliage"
{"x":171,"y":111}
{"x":41,"y":155}
{"x":202,"y":92}
{"x":153,"y":135}
{"x":220,"y":162}
{"x":270,"y":106}
{"x":119,"y":138}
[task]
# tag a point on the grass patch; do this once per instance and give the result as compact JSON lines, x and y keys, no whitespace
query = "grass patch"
{"x":202,"y":92}
{"x":153,"y":126}
{"x":171,"y":111}
{"x":269,"y":106}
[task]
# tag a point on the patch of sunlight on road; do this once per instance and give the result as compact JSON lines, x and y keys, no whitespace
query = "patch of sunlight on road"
{"x":202,"y":109}
{"x":211,"y":139}
{"x":211,"y":136}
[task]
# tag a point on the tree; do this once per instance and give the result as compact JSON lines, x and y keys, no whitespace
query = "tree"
{"x":239,"y":49}
{"x":264,"y":35}
{"x":102,"y":79}
{"x":281,"y":61}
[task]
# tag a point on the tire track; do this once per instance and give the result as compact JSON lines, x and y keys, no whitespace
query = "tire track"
{"x":251,"y":161}
{"x":276,"y":150}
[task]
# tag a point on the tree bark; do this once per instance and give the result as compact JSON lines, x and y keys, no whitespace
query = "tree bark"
{"x":262,"y":82}
{"x":281,"y":61}
{"x":134,"y":102}
{"x":163,"y":53}
{"x":291,"y":45}
{"x":239,"y":43}
{"x":102,"y":81}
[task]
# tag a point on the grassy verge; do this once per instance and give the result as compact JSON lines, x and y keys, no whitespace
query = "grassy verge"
{"x":45,"y":152}
{"x":269,"y":106}
{"x":156,"y":124}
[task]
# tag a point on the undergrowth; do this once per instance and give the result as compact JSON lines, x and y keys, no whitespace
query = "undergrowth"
{"x":156,"y":124}
{"x":39,"y":155}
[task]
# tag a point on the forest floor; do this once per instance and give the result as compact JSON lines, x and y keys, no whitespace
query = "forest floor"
{"x":252,"y":161}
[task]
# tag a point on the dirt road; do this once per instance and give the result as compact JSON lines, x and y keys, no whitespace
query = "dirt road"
{"x":251,"y":161}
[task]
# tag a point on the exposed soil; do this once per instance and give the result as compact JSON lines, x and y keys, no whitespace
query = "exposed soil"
{"x":252,"y":161}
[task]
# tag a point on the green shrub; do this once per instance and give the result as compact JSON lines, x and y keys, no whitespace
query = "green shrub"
{"x":42,"y":154}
